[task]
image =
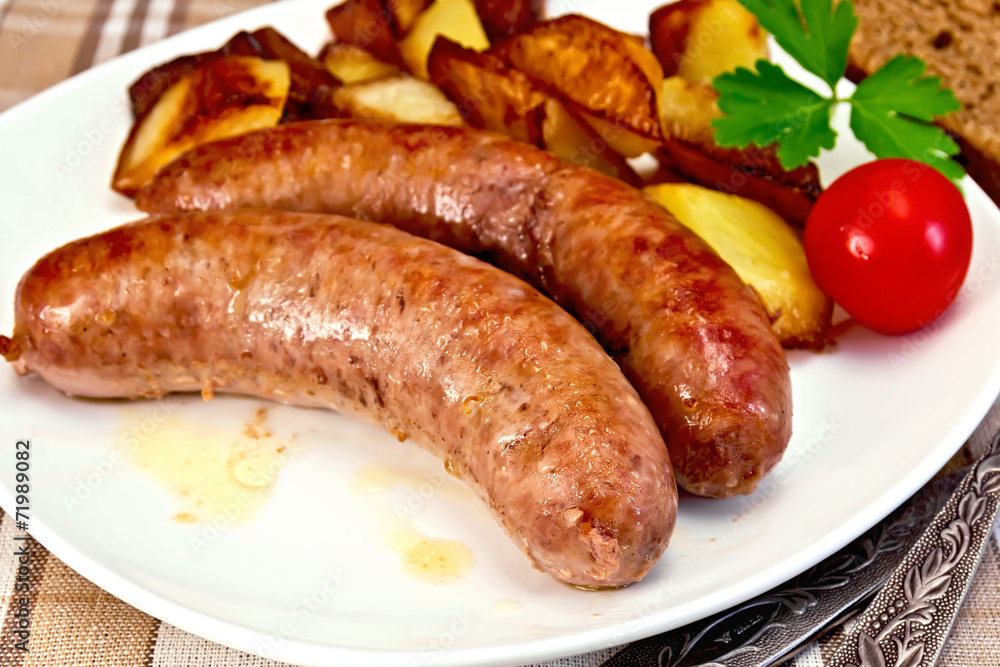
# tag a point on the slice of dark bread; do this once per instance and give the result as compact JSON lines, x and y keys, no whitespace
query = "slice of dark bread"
{"x":960,"y":41}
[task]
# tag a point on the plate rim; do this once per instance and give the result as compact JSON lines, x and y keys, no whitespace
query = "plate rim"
{"x":307,"y":652}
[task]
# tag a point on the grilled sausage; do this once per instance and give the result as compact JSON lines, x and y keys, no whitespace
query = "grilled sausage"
{"x":688,"y":333}
{"x":324,"y":311}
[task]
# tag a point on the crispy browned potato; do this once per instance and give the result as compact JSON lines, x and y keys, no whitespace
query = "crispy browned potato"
{"x":243,"y":44}
{"x":745,"y":172}
{"x":640,"y":54}
{"x":687,"y":110}
{"x":223,"y":97}
{"x":700,"y":39}
{"x":405,"y":12}
{"x":663,"y":174}
{"x":600,"y":71}
{"x":367,"y":24}
{"x":505,"y":18}
{"x":493,"y":95}
{"x":351,"y":64}
{"x":568,"y":136}
{"x":312,"y":85}
{"x":398,"y":99}
{"x":765,"y":252}
{"x":147,"y":89}
{"x":455,"y":19}
{"x":620,"y":137}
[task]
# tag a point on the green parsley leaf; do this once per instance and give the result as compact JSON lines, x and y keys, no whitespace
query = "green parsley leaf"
{"x":892,"y":110}
{"x":767,"y":106}
{"x":815,"y":33}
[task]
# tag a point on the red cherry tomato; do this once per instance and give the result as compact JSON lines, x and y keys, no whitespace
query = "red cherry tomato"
{"x":890,"y":241}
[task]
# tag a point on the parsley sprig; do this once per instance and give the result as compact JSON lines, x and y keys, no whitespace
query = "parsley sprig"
{"x":891,"y":110}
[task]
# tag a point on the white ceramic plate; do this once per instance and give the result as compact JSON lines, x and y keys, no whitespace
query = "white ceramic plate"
{"x":308,"y":580}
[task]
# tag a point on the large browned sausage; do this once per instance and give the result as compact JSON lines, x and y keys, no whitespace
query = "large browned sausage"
{"x":323,"y":311}
{"x":688,"y":333}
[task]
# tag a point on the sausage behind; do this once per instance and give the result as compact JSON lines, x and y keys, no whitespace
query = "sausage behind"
{"x":323,"y":311}
{"x":689,"y":334}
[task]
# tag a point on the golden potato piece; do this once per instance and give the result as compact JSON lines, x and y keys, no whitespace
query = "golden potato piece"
{"x":687,"y":109}
{"x":701,"y":39}
{"x":367,"y":24}
{"x":601,"y":71}
{"x":566,"y":135}
{"x":352,"y":64}
{"x":621,"y":138}
{"x":311,"y":94}
{"x":492,"y":95}
{"x":763,"y":250}
{"x":663,"y":174}
{"x":398,"y":99}
{"x":503,"y":18}
{"x":645,"y":59}
{"x":224,"y":97}
{"x":405,"y":13}
{"x":146,"y":91}
{"x":455,"y":19}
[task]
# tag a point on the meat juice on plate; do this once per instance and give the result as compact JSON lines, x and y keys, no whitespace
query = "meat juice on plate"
{"x":212,"y":473}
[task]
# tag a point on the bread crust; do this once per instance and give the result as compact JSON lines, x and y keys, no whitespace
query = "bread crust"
{"x":960,"y":42}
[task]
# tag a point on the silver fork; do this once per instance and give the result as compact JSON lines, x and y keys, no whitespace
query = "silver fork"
{"x":909,"y":620}
{"x":923,"y":581}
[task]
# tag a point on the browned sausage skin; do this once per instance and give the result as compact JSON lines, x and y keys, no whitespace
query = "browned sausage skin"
{"x":688,"y":333}
{"x":313,"y":310}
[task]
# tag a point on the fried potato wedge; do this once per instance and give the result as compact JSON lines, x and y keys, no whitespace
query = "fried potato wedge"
{"x":312,"y":85}
{"x":621,"y":138}
{"x":743,"y":172}
{"x":224,"y":97}
{"x":148,"y":88}
{"x":369,"y":25}
{"x":405,"y":13}
{"x":352,"y":64}
{"x":311,"y":94}
{"x":455,"y":19}
{"x":243,"y":44}
{"x":662,"y":174}
{"x":398,"y":99}
{"x":687,"y":110}
{"x":763,"y":250}
{"x":492,"y":95}
{"x":600,"y":71}
{"x":701,"y":39}
{"x":568,"y":136}
{"x":503,"y":18}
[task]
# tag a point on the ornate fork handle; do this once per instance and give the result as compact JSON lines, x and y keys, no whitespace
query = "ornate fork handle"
{"x":907,"y":623}
{"x":770,"y":628}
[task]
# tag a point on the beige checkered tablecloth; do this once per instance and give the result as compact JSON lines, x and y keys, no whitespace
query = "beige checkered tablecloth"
{"x":74,"y":622}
